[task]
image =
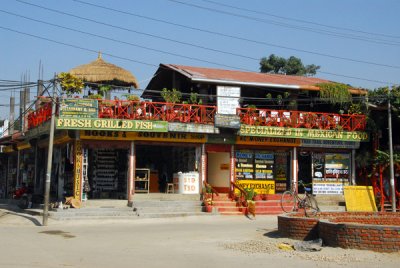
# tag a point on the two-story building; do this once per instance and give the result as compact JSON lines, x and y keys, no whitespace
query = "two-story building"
{"x":261,"y":131}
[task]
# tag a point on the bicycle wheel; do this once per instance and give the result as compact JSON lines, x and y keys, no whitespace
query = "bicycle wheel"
{"x":310,"y":206}
{"x":288,"y":202}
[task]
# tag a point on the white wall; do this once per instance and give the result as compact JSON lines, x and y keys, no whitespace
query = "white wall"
{"x":217,"y":175}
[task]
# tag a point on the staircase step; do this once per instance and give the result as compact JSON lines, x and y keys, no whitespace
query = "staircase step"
{"x":230,"y":209}
{"x":233,"y":213}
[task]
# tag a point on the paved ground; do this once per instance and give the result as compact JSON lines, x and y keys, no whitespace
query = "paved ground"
{"x":203,"y":241}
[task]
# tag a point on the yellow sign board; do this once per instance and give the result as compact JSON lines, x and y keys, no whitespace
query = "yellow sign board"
{"x":78,"y":170}
{"x":270,"y":141}
{"x":259,"y":186}
{"x":143,"y":136}
{"x":359,"y":198}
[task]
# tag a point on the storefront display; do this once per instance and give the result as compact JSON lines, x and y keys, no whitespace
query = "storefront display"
{"x":331,"y":171}
{"x":264,"y":171}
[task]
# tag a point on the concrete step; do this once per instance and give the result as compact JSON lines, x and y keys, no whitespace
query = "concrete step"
{"x":223,"y":203}
{"x":165,"y":203}
{"x":166,"y":197}
{"x":233,"y":213}
{"x":172,"y":214}
{"x":167,"y":209}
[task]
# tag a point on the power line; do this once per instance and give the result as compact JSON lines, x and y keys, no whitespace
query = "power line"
{"x":127,"y":43}
{"x":12,"y":124}
{"x":148,"y":64}
{"x":211,"y":32}
{"x":130,"y":30}
{"x":324,"y":32}
{"x":299,"y":20}
{"x":77,"y":47}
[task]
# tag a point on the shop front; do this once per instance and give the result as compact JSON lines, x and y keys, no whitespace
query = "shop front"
{"x":271,"y":158}
{"x":157,"y":158}
{"x":264,"y":163}
{"x":328,"y":165}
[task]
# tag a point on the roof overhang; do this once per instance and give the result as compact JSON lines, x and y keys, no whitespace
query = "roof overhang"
{"x":240,"y":83}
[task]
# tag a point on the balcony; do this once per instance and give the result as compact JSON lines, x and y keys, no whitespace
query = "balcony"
{"x":204,"y":114}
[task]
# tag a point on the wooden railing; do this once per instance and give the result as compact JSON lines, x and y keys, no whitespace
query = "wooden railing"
{"x":301,"y":119}
{"x":171,"y":112}
{"x":209,"y":190}
{"x":39,"y":116}
{"x":242,"y":198}
{"x":204,"y":114}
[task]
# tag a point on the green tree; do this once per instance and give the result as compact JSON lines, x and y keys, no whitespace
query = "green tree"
{"x":290,"y":66}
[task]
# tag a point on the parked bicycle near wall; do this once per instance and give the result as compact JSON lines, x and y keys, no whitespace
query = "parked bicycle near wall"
{"x":293,"y":201}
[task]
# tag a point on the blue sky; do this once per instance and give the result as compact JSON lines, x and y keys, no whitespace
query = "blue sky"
{"x":294,"y":28}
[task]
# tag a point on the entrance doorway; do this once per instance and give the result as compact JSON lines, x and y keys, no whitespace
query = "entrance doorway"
{"x":218,"y":172}
{"x":163,"y":161}
{"x":108,"y":171}
{"x":304,"y":166}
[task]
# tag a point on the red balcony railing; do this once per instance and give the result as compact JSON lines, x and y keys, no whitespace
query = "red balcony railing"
{"x":171,"y":112}
{"x":138,"y":110}
{"x":204,"y":114}
{"x":41,"y":115}
{"x":300,"y":119}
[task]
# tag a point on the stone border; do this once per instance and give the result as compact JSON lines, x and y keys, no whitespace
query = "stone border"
{"x":358,"y":230}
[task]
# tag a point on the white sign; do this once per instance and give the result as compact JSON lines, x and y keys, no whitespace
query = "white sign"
{"x":188,"y":183}
{"x":227,"y":99}
{"x":328,"y":188}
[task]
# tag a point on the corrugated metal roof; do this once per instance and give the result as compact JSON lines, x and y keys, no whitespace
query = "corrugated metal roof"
{"x":241,"y":77}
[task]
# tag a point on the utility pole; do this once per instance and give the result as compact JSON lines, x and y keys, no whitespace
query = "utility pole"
{"x":392,"y":188}
{"x":49,"y":156}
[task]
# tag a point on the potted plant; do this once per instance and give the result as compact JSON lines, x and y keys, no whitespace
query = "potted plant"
{"x":207,"y":198}
{"x":251,"y":204}
{"x":171,"y":96}
{"x":135,"y":99}
{"x":95,"y":96}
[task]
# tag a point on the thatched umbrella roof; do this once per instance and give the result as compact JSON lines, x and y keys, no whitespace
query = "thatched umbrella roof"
{"x":99,"y":71}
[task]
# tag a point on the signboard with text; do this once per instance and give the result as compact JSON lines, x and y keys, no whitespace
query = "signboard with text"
{"x":303,"y":133}
{"x":111,"y":124}
{"x":143,"y":136}
{"x":259,"y":186}
{"x":82,"y":108}
{"x":227,"y":99}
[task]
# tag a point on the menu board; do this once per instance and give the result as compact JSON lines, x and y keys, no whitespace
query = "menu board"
{"x":244,"y":165}
{"x":337,"y":167}
{"x":281,"y":169}
{"x":330,"y":172}
{"x":264,"y":166}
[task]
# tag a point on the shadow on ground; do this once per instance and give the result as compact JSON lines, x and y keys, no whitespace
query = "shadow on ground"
{"x":7,"y":209}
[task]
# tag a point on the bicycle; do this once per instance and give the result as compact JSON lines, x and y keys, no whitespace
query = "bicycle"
{"x":291,"y":201}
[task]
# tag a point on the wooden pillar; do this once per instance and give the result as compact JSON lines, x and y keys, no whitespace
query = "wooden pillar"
{"x":353,"y":167}
{"x":132,"y":172}
{"x":203,"y":164}
{"x":232,"y":165}
{"x":78,"y":169}
{"x":294,"y":167}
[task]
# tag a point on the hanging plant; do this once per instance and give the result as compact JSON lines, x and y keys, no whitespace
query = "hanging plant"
{"x":70,"y":84}
{"x":335,"y":93}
